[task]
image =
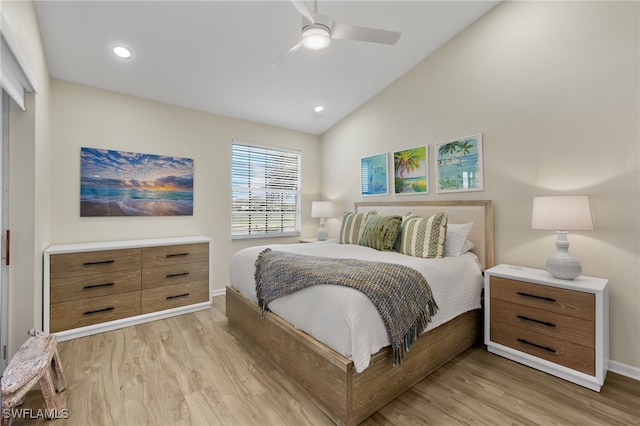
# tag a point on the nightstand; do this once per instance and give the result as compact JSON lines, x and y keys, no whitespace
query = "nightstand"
{"x":557,"y":326}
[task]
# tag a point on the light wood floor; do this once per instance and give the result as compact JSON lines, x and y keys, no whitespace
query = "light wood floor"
{"x":190,"y":370}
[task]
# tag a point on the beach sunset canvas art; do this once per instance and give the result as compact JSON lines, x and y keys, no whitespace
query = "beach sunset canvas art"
{"x":117,"y":183}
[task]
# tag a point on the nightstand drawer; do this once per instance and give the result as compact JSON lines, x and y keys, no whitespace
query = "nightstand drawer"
{"x":566,"y":302}
{"x":571,"y":329}
{"x":161,"y":298}
{"x":94,"y":285}
{"x":65,"y":316}
{"x":571,"y":355}
{"x":175,"y":274}
{"x":174,"y":254}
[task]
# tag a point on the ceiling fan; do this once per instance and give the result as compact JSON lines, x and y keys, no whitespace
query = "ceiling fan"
{"x":318,"y":30}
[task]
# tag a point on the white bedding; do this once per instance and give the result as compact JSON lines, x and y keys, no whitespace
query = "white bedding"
{"x":345,"y":319}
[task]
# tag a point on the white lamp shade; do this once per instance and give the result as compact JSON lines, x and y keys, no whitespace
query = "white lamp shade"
{"x":565,"y":212}
{"x":322,"y":209}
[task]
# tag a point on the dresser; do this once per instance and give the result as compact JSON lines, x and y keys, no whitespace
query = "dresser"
{"x":557,"y":326}
{"x":95,"y":287}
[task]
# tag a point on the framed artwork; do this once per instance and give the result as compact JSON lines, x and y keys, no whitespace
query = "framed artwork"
{"x":117,"y":183}
{"x":459,"y":164}
{"x":411,"y":171}
{"x":374,"y":174}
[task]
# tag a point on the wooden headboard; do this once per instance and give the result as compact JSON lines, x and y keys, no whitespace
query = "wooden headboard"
{"x":480,"y":212}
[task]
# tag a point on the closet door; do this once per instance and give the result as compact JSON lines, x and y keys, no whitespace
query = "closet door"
{"x":4,"y":222}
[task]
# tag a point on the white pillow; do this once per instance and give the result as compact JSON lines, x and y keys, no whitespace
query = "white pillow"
{"x":456,"y":237}
{"x":468,"y":245}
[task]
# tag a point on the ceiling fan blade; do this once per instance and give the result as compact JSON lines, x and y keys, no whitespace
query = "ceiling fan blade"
{"x":352,"y":32}
{"x":282,"y":58}
{"x":302,"y":9}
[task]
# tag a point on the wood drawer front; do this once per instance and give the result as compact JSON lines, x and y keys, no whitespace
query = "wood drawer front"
{"x":174,"y":254}
{"x":68,"y":315}
{"x":161,"y":298}
{"x":95,"y":285}
{"x":175,"y":274}
{"x":571,"y":355}
{"x":571,"y":329}
{"x":566,"y":302}
{"x":93,"y":262}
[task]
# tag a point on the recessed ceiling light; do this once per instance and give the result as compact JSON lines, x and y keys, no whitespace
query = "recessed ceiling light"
{"x":122,"y":52}
{"x":318,"y":108}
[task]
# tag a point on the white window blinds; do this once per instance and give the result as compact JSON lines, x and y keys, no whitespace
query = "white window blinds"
{"x":265,"y":191}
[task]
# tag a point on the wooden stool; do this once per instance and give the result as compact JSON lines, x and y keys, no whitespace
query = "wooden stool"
{"x":35,"y":361}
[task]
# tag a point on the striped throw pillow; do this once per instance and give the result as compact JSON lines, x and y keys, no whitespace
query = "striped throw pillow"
{"x":353,"y":227}
{"x":424,"y":236}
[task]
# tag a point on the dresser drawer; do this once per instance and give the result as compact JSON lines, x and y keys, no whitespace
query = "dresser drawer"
{"x":174,"y":254}
{"x":95,"y":285}
{"x":158,"y":299}
{"x":175,"y":274}
{"x":571,"y":355}
{"x":68,"y":315}
{"x":566,"y":302}
{"x":93,"y":262}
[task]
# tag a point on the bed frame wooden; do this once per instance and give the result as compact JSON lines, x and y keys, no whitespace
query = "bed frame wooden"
{"x":328,"y":378}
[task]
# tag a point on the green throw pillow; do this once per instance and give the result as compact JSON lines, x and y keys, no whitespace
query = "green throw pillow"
{"x":424,"y":236}
{"x":380,"y":232}
{"x":353,"y":227}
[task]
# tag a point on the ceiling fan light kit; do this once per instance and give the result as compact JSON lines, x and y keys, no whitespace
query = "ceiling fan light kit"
{"x":316,"y":37}
{"x":318,"y":30}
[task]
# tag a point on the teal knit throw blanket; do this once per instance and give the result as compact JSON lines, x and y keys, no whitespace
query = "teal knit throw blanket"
{"x":401,"y":294}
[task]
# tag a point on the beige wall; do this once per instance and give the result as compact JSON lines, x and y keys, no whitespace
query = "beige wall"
{"x":29,"y":144}
{"x":88,"y":117}
{"x":554,"y":89}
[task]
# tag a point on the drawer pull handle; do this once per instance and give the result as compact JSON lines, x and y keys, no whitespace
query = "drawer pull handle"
{"x":548,"y":299}
{"x":98,"y":311}
{"x":99,"y":262}
{"x":88,"y":287}
{"x":176,"y":296}
{"x":546,"y":348}
{"x":548,"y":324}
{"x":177,"y":275}
{"x":177,"y":254}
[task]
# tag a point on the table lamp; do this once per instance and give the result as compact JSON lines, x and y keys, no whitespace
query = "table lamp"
{"x":562,"y":213}
{"x":322,"y":209}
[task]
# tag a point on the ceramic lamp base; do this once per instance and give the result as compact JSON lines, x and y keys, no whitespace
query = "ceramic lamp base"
{"x":561,"y":264}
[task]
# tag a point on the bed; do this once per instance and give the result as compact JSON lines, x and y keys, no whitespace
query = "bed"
{"x":347,"y":387}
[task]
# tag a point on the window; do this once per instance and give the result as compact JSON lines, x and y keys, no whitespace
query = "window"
{"x":265,"y":191}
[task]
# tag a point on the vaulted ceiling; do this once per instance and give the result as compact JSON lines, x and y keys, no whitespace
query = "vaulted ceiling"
{"x":215,"y":56}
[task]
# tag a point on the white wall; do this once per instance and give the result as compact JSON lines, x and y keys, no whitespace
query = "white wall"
{"x":554,"y":89}
{"x":88,"y":117}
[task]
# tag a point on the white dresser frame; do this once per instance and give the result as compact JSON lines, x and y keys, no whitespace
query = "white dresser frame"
{"x":124,"y":322}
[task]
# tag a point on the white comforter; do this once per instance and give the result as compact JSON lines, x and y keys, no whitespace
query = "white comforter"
{"x":345,"y":319}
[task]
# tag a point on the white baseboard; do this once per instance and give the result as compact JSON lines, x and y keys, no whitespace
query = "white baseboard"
{"x":624,"y":370}
{"x":219,"y":292}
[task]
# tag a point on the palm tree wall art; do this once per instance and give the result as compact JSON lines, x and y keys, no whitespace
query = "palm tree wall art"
{"x":411,"y":171}
{"x":459,"y":164}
